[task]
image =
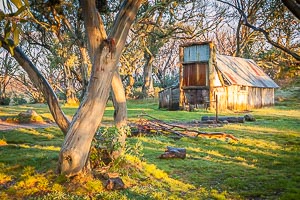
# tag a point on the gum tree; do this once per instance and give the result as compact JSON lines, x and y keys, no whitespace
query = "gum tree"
{"x":104,"y":52}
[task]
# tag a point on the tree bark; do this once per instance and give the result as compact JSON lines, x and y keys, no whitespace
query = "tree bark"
{"x":42,"y":84}
{"x":129,"y":87}
{"x":84,"y":69}
{"x":70,"y":92}
{"x":119,"y":101}
{"x":147,"y":88}
{"x":120,"y":113}
{"x":105,"y":54}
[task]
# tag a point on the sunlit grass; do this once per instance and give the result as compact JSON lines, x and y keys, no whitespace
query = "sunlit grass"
{"x":263,"y":164}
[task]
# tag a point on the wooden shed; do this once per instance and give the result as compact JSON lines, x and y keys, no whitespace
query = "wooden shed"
{"x":235,"y":83}
{"x":169,"y":98}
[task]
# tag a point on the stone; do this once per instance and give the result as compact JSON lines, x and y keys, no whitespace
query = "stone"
{"x":249,"y":118}
{"x":29,"y":116}
{"x":114,"y":184}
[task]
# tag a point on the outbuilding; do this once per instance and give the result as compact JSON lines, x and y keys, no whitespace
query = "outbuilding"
{"x":208,"y":79}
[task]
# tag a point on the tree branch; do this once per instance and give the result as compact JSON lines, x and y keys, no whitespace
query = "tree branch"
{"x":40,"y":82}
{"x":293,"y":6}
{"x":264,"y":32}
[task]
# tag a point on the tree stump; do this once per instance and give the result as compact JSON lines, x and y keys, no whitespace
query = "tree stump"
{"x":173,"y":152}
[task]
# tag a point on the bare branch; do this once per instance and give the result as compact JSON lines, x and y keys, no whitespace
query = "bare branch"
{"x":293,"y":6}
{"x":261,"y":30}
{"x":40,"y":82}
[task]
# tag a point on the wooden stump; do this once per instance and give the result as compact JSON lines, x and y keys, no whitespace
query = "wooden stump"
{"x":173,"y":152}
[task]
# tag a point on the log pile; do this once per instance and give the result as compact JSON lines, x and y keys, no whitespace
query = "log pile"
{"x":156,"y":126}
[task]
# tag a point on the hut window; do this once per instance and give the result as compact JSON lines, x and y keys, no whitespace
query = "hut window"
{"x":195,"y":74}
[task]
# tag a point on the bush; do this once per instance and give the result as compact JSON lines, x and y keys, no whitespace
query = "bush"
{"x":19,"y":100}
{"x":4,"y":101}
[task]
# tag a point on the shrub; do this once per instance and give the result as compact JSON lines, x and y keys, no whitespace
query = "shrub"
{"x":19,"y":100}
{"x":4,"y":101}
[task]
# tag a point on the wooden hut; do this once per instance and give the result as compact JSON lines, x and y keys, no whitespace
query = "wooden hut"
{"x":169,"y":98}
{"x":235,"y":83}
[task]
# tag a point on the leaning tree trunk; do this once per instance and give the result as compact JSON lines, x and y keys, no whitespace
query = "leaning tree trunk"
{"x":120,"y":113}
{"x":42,"y":84}
{"x":105,"y":54}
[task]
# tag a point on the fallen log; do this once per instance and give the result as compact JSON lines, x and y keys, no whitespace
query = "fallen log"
{"x":223,"y":119}
{"x":173,"y":152}
{"x":162,"y":127}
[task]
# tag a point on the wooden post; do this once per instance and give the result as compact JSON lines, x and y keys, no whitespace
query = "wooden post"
{"x":170,"y":99}
{"x":211,"y":72}
{"x":217,"y":109}
{"x":181,"y":92}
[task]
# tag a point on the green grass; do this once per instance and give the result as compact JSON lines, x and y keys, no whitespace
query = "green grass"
{"x":263,"y":164}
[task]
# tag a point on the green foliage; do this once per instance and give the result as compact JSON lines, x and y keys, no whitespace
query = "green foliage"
{"x":105,"y":144}
{"x":12,"y":28}
{"x":4,"y":101}
{"x":18,"y":100}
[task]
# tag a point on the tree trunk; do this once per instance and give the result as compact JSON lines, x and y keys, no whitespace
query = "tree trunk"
{"x":147,"y":88}
{"x":70,"y":93}
{"x":74,"y":153}
{"x":84,"y":69}
{"x":120,"y":113}
{"x":129,"y":87}
{"x":105,"y":54}
{"x":42,"y":84}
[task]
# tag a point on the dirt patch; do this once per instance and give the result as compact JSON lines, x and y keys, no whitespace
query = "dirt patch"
{"x":4,"y":126}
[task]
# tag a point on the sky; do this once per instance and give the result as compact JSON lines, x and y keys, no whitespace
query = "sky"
{"x":1,"y":4}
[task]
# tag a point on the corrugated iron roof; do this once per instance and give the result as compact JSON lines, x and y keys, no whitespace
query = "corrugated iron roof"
{"x":240,"y":71}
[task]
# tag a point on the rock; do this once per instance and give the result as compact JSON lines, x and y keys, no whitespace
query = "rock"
{"x":249,"y":118}
{"x":210,"y":122}
{"x":114,"y":184}
{"x":28,"y":113}
{"x":225,"y":122}
{"x":173,"y":152}
{"x":29,"y":116}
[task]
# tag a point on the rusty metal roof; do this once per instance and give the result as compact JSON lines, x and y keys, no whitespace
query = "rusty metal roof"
{"x":240,"y":71}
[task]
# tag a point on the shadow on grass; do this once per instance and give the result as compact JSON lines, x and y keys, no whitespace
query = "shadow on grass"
{"x":24,"y":155}
{"x":238,"y":168}
{"x":49,"y":136}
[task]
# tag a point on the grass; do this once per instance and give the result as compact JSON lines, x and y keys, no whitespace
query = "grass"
{"x":263,"y":164}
